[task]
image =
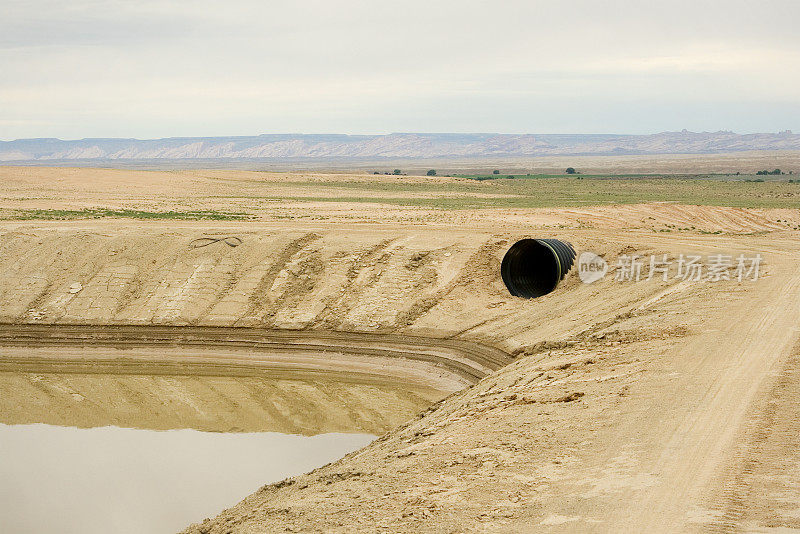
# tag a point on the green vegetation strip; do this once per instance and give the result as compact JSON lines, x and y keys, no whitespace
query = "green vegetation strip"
{"x":520,"y":192}
{"x":549,"y":192}
{"x":101,"y":213}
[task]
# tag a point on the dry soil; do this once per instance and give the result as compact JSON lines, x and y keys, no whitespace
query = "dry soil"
{"x":645,"y":406}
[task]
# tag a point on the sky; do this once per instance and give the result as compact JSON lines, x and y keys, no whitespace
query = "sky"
{"x":150,"y":69}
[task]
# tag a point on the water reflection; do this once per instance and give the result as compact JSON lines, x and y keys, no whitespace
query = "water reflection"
{"x":99,"y":477}
{"x":57,"y":479}
{"x":218,"y":404}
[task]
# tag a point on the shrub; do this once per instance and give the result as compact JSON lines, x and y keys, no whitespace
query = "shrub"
{"x":432,"y":172}
{"x":495,"y":171}
{"x":570,"y":170}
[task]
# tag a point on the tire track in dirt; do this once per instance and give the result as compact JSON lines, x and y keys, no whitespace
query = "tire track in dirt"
{"x":230,"y":282}
{"x":296,"y":280}
{"x":80,"y":263}
{"x":734,"y":362}
{"x":144,"y":273}
{"x":761,"y":489}
{"x":259,"y":295}
{"x":335,"y":311}
{"x":477,"y":266}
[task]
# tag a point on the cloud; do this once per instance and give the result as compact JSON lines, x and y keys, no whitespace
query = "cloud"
{"x":145,"y":68}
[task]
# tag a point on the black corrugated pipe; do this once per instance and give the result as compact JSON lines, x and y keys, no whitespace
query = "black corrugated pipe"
{"x":534,"y":267}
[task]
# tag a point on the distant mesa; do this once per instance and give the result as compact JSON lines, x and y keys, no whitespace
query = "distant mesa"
{"x":397,"y":145}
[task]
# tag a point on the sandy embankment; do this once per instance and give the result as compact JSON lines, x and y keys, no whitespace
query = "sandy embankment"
{"x":144,"y":279}
{"x":136,"y":276}
{"x":438,"y":365}
{"x":630,"y":407}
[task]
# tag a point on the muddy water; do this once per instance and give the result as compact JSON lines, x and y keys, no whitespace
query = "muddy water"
{"x":192,"y":446}
{"x":60,"y":479}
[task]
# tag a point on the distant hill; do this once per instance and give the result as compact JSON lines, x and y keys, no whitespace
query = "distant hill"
{"x":398,"y":145}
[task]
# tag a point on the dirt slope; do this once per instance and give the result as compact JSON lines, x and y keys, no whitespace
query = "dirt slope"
{"x":621,"y":418}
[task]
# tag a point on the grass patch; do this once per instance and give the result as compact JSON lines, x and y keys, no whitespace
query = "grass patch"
{"x":726,"y":177}
{"x":561,"y":191}
{"x":102,"y":213}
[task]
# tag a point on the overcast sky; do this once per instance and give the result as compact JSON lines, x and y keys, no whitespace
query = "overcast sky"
{"x":79,"y":68}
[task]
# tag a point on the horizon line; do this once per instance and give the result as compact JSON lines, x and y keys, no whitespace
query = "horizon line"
{"x":300,"y":134}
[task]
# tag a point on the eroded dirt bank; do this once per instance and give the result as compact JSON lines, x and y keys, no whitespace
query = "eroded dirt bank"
{"x":436,"y":364}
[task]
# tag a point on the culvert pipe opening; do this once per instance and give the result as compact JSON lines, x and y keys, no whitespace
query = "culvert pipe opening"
{"x":533,"y":267}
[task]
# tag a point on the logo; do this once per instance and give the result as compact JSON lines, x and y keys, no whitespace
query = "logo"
{"x":591,"y":267}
